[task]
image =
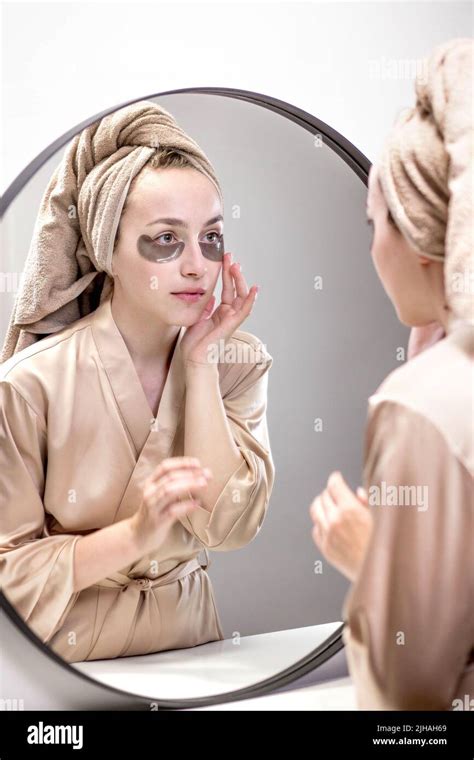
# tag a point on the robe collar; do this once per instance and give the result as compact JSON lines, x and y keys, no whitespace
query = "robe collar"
{"x":126,"y":385}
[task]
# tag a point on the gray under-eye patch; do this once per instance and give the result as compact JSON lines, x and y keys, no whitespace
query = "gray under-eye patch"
{"x":213,"y":251}
{"x":153,"y":251}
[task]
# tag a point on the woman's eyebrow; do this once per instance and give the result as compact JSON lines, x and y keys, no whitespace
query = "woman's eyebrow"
{"x":181,"y":223}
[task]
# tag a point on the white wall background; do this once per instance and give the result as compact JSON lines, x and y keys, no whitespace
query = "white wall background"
{"x":65,"y":61}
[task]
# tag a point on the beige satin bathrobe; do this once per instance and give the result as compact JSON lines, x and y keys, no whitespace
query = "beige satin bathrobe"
{"x":410,"y":615}
{"x":77,"y":440}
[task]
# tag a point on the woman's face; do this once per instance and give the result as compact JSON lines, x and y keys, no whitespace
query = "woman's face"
{"x":413,"y":283}
{"x":153,"y":259}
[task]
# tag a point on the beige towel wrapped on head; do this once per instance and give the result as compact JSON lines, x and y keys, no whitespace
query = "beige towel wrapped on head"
{"x":68,"y":268}
{"x":426,"y":170}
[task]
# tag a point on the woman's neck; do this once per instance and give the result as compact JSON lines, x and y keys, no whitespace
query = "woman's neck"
{"x":150,"y":343}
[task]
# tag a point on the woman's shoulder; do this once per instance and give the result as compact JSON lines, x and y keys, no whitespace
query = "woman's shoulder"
{"x":441,"y":372}
{"x":32,"y":369}
{"x":433,"y":390}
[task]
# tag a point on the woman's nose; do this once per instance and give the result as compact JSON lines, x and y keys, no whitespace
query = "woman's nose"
{"x":192,"y":259}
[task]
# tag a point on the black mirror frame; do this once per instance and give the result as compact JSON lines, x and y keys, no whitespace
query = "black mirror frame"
{"x":361,"y":166}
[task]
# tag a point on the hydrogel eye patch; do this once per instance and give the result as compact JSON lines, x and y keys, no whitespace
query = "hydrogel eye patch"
{"x":152,"y":250}
{"x":213,"y":251}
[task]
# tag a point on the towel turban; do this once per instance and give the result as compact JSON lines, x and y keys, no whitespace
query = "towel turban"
{"x":68,"y":268}
{"x":426,"y":170}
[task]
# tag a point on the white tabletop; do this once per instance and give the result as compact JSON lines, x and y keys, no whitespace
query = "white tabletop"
{"x":336,"y":694}
{"x":223,"y":666}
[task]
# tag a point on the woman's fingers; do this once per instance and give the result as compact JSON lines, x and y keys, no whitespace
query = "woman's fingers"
{"x":168,"y":494}
{"x":247,"y":305}
{"x":209,"y":308}
{"x":241,"y":310}
{"x":328,"y":507}
{"x":231,"y":320}
{"x":162,"y":494}
{"x":177,"y":475}
{"x":174,"y":464}
{"x":339,"y":490}
{"x":240,"y":283}
{"x":180,"y":508}
{"x":318,"y":515}
{"x":236,"y":294}
{"x":323,"y":513}
{"x":228,"y":293}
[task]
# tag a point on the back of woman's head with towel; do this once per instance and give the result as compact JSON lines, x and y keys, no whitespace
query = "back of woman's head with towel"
{"x":407,"y":558}
{"x":421,"y":196}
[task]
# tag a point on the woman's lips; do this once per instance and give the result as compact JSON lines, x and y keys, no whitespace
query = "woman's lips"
{"x":189,"y":297}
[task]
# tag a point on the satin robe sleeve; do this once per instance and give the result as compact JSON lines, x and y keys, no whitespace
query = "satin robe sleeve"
{"x":409,"y":622}
{"x":36,"y":570}
{"x":241,"y":506}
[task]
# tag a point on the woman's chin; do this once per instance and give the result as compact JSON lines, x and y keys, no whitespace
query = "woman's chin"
{"x":405,"y":316}
{"x":188,"y":313}
{"x":186,"y":320}
{"x":411,"y":319}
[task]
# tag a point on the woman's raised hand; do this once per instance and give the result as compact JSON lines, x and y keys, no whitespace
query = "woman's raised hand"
{"x":164,"y":498}
{"x":237,"y":302}
{"x":343,"y":525}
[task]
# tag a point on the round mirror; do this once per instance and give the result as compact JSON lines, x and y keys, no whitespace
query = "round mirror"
{"x":294,"y":193}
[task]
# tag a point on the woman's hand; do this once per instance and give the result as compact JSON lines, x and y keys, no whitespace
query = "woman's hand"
{"x":423,"y":337}
{"x":161,"y":504}
{"x":236,"y":305}
{"x":342,"y":525}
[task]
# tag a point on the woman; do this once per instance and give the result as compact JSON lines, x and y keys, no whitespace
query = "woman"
{"x":409,"y":630}
{"x":129,"y":441}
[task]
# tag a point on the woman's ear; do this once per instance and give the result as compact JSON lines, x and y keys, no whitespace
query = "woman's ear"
{"x":424,"y":261}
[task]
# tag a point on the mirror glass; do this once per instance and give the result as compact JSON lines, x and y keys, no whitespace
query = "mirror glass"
{"x":295,"y":220}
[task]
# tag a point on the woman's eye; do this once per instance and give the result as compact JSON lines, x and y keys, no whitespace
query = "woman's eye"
{"x":165,"y":235}
{"x":214,"y":239}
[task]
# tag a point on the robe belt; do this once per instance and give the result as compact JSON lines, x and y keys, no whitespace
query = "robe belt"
{"x":113,"y":637}
{"x":144,"y":583}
